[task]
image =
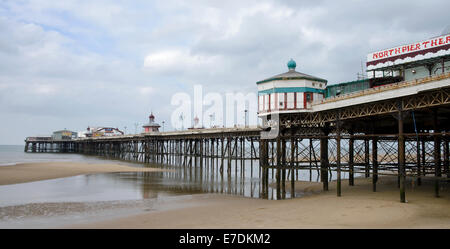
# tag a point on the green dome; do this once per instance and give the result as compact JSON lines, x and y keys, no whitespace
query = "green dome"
{"x":291,"y":64}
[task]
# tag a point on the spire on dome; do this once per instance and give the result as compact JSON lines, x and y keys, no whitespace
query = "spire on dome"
{"x":151,"y":117}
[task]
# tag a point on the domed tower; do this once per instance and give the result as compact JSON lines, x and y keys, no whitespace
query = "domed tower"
{"x":289,"y":92}
{"x":151,"y":126}
{"x":151,"y":118}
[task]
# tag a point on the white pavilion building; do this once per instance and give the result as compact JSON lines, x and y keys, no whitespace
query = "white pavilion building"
{"x":289,"y":92}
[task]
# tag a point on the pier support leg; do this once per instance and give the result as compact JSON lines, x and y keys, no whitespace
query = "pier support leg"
{"x":292,"y":167}
{"x":243,"y":159}
{"x":324,"y":160}
{"x":374,"y":163}
{"x":437,"y":154}
{"x":401,"y":155}
{"x":446,"y":158}
{"x":423,"y":155}
{"x":266,"y":169}
{"x":252,"y":149}
{"x":283,"y":171}
{"x":201,"y":144}
{"x":419,"y":179}
{"x":311,"y":151}
{"x":338,"y":155}
{"x":278,"y":171}
{"x":229,"y":156}
{"x":236,"y":156}
{"x":223,"y":155}
{"x":263,"y":163}
{"x":366,"y":157}
{"x":351,"y":151}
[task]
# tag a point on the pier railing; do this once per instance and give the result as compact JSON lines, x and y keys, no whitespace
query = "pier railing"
{"x":384,"y":88}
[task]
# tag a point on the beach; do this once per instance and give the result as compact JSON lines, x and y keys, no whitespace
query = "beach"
{"x":358,"y":207}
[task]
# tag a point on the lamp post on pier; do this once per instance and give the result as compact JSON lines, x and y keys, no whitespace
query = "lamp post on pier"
{"x":181,"y":119}
{"x":210,"y":120}
{"x":135,"y":127}
{"x":245,"y":117}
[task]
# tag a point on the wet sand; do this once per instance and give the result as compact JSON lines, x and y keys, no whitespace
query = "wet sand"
{"x":29,"y":172}
{"x":358,"y":207}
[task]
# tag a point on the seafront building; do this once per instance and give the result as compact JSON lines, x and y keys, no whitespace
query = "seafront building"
{"x":295,"y":92}
{"x":291,"y":91}
{"x":64,"y":134}
{"x":151,"y":126}
{"x":409,"y":62}
{"x":100,"y":131}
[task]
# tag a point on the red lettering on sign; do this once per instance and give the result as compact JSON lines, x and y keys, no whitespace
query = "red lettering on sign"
{"x":439,"y":41}
{"x":433,"y":43}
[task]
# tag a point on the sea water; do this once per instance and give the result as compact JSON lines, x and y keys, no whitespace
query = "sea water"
{"x":119,"y":186}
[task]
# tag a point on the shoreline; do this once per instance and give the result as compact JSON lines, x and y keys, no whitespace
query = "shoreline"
{"x":358,"y":207}
{"x":30,"y":172}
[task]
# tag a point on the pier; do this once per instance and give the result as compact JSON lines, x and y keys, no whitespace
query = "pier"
{"x":400,"y":129}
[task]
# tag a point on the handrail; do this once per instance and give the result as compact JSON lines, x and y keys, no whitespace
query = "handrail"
{"x":384,"y":88}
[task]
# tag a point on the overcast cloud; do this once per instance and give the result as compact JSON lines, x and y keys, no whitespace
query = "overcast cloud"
{"x":71,"y":63}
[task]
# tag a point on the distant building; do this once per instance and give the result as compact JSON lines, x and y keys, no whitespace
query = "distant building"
{"x":151,"y":126}
{"x":289,"y":92}
{"x":101,"y":132}
{"x":64,"y":135}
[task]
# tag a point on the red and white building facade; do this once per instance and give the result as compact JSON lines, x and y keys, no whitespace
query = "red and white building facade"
{"x":289,"y":92}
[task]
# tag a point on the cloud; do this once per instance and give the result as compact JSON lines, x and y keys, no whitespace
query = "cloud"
{"x":79,"y":63}
{"x":173,"y":60}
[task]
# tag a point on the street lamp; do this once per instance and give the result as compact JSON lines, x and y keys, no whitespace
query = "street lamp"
{"x":135,"y":127}
{"x":245,"y":118}
{"x":163,"y":125}
{"x":181,"y":118}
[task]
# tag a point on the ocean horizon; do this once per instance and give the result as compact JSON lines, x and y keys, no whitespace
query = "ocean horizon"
{"x":14,"y":154}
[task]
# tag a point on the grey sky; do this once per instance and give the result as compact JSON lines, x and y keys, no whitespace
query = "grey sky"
{"x":70,"y":64}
